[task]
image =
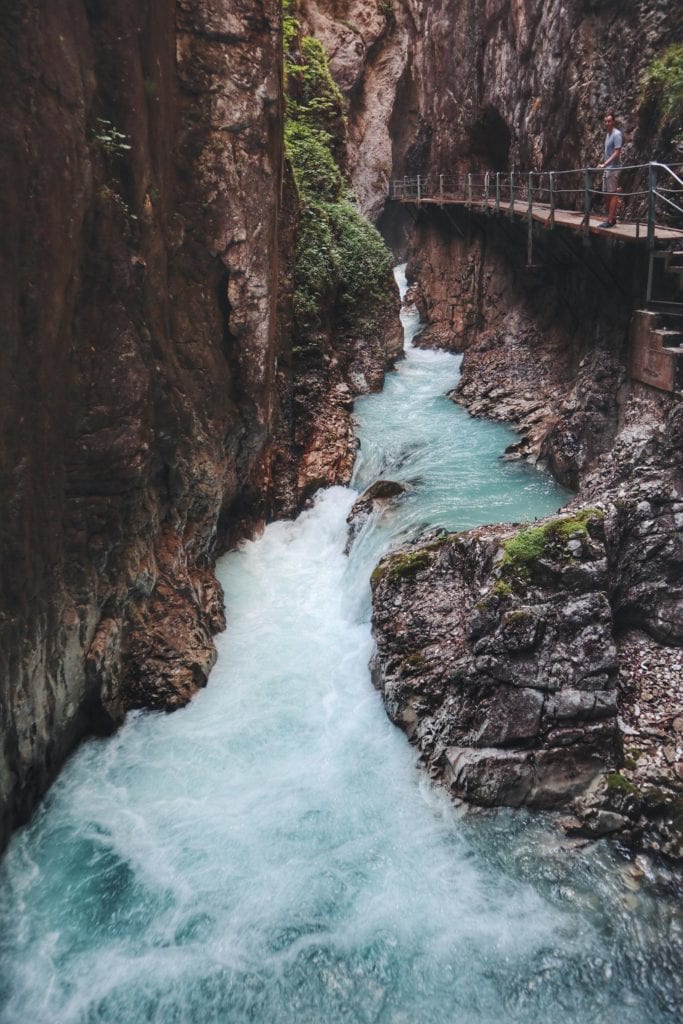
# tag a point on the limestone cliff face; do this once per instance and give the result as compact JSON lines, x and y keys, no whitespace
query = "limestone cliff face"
{"x":443,"y":85}
{"x":140,"y":160}
{"x":528,"y":82}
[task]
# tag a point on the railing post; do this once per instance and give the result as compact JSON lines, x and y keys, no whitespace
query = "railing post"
{"x":586,"y":204}
{"x":405,"y":186}
{"x":552,"y":200}
{"x":441,"y":187}
{"x":486,"y":191}
{"x":419,"y":190}
{"x":512,"y":193}
{"x":530,"y":223}
{"x":469,"y":191}
{"x":651,"y":196}
{"x":497,"y":191}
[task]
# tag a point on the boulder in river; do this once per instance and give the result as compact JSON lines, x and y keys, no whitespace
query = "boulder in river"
{"x":381,"y":491}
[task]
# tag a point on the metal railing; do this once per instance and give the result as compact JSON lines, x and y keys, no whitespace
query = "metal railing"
{"x":652,"y":192}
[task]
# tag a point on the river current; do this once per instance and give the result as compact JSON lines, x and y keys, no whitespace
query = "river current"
{"x":272,"y":853}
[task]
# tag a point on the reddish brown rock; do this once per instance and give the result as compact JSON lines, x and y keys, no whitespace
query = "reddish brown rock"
{"x":140,"y":159}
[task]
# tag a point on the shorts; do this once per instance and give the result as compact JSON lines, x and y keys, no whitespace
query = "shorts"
{"x":610,"y":180}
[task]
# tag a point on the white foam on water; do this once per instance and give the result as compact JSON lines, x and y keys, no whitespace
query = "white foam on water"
{"x":272,"y":853}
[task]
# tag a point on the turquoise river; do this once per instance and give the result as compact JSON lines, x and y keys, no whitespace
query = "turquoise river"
{"x":272,"y":853}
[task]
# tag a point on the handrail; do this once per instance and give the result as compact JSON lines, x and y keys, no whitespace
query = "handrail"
{"x":515,"y":191}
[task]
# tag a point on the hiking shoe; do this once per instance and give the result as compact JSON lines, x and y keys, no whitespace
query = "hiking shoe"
{"x":608,"y":224}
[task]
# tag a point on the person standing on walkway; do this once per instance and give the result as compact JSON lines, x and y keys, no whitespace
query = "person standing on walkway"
{"x":611,"y":169}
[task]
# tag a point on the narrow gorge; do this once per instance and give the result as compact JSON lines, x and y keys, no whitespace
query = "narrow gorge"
{"x":239,"y":488}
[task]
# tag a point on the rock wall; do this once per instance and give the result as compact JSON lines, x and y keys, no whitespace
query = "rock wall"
{"x":513,"y":699}
{"x":443,"y":86}
{"x":546,"y":346}
{"x":140,"y":165}
{"x":542,"y":666}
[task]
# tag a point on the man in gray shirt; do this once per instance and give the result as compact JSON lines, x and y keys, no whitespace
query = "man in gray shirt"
{"x":611,"y":168}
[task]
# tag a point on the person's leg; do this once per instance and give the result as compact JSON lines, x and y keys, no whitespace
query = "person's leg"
{"x":610,"y":183}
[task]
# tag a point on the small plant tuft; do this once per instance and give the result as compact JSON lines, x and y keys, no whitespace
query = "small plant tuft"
{"x":109,"y":138}
{"x":617,"y":783}
{"x":528,"y":546}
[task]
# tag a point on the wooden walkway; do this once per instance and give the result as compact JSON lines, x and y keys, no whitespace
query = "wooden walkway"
{"x":540,"y":212}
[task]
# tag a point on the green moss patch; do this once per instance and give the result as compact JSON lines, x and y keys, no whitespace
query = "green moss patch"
{"x":617,"y":783}
{"x":663,"y":85}
{"x":401,"y":566}
{"x":528,"y":546}
{"x":407,"y":566}
{"x":343,"y":267}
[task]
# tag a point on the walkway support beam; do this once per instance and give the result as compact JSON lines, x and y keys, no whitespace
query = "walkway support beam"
{"x":586,"y":205}
{"x":651,"y":194}
{"x":551,"y":221}
{"x":530,"y":222}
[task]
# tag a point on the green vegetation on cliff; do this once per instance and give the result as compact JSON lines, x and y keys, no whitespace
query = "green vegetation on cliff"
{"x":342,"y":264}
{"x":663,"y":84}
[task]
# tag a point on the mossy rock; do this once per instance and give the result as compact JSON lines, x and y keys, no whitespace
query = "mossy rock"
{"x":407,"y":566}
{"x":415,"y":662}
{"x":523,"y":551}
{"x":618,"y":783}
{"x":401,"y":566}
{"x":343,"y":269}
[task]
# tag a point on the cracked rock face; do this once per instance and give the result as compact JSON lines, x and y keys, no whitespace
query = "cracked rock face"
{"x":139,"y":350}
{"x":503,"y":674}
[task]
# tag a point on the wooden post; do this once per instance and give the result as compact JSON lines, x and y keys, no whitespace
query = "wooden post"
{"x":530,"y":223}
{"x":551,"y":221}
{"x":651,"y":196}
{"x":586,"y":204}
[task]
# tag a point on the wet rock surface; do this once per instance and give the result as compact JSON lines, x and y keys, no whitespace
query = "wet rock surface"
{"x":154,"y":406}
{"x":373,"y":498}
{"x":501,"y":667}
{"x":543,"y":666}
{"x":139,"y":165}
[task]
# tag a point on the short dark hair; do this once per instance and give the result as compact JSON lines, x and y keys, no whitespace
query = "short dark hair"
{"x":610,"y":113}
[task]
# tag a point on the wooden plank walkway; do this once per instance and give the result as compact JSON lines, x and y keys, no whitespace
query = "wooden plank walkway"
{"x":627,"y":232}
